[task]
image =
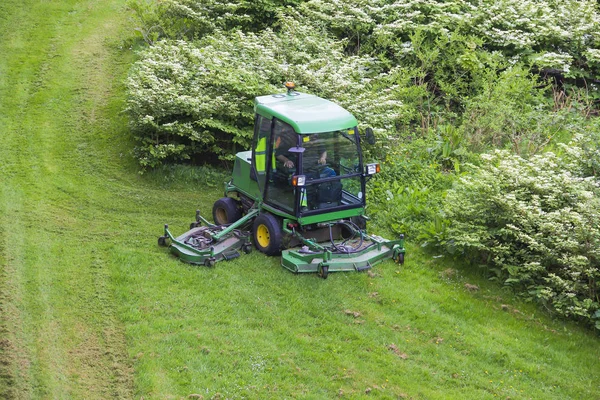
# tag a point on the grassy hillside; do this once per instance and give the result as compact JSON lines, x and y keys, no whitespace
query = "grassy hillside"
{"x":62,"y":337}
{"x":92,"y":308}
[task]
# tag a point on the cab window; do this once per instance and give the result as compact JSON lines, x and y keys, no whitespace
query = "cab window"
{"x":260,"y":147}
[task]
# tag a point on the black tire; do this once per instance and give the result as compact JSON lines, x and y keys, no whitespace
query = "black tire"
{"x":267,"y":234}
{"x":360,"y":222}
{"x":226,"y":211}
{"x":210,"y":262}
{"x":324,"y":273}
{"x":162,"y":241}
{"x":400,"y":258}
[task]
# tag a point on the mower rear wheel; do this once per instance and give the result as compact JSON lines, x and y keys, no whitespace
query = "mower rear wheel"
{"x":360,"y":222}
{"x":267,"y":234}
{"x":226,"y":211}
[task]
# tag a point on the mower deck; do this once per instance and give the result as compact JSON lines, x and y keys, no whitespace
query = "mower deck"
{"x":197,"y":247}
{"x":357,"y":255}
{"x":210,"y":243}
{"x":206,"y":245}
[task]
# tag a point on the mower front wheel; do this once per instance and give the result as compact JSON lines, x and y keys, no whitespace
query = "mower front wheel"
{"x":226,"y":211}
{"x":267,"y":234}
{"x":324,"y":272}
{"x":210,"y":262}
{"x":162,"y":241}
{"x":399,"y":258}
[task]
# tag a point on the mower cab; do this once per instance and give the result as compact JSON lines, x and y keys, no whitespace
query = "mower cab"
{"x":300,"y":189}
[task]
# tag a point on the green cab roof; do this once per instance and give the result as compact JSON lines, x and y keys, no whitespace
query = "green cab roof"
{"x":306,"y":113}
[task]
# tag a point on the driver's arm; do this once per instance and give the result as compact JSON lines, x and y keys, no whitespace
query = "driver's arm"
{"x":286,"y":161}
{"x":323,"y":158}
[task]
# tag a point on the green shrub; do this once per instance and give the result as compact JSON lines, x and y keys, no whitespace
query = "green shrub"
{"x":185,"y":100}
{"x":586,"y":155}
{"x":456,"y":44}
{"x":535,"y":225}
{"x":414,"y":67}
{"x":193,"y":19}
{"x":406,"y":195}
{"x":513,"y":110}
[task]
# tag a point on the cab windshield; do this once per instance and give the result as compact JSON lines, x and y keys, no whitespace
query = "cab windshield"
{"x":330,"y":162}
{"x":330,"y":154}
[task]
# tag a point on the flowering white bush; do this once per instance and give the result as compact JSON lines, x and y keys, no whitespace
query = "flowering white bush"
{"x":535,"y":224}
{"x":519,"y":28}
{"x":416,"y":63}
{"x":197,"y":98}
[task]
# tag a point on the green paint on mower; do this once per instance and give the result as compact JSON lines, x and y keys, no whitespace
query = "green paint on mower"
{"x":205,"y":245}
{"x":299,"y":192}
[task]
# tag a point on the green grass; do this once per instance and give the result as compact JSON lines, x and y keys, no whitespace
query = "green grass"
{"x":250,"y":329}
{"x":92,"y":308}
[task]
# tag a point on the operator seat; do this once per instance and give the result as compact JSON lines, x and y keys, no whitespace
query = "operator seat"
{"x":324,"y":195}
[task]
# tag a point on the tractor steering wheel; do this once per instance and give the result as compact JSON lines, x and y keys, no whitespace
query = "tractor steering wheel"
{"x":325,"y":171}
{"x":350,"y":170}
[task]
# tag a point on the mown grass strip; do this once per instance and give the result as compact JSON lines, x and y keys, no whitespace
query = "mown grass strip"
{"x":62,"y":337}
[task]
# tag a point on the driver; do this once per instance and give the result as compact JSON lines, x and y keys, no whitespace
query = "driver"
{"x":284,"y":141}
{"x":315,"y":158}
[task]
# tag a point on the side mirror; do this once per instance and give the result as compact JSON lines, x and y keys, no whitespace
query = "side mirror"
{"x":370,"y":136}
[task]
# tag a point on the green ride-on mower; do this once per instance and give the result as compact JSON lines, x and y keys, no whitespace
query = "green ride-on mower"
{"x":300,"y":192}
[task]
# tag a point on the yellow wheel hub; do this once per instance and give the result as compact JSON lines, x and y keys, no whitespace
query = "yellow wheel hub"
{"x":263,"y":238}
{"x":221,"y":215}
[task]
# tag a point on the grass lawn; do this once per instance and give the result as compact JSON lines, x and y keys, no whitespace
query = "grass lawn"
{"x":92,"y":308}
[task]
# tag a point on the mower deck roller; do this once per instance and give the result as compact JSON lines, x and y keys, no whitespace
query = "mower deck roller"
{"x":299,"y":192}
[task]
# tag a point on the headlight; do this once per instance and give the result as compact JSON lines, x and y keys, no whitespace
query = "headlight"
{"x":373,"y":169}
{"x":298,"y":180}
